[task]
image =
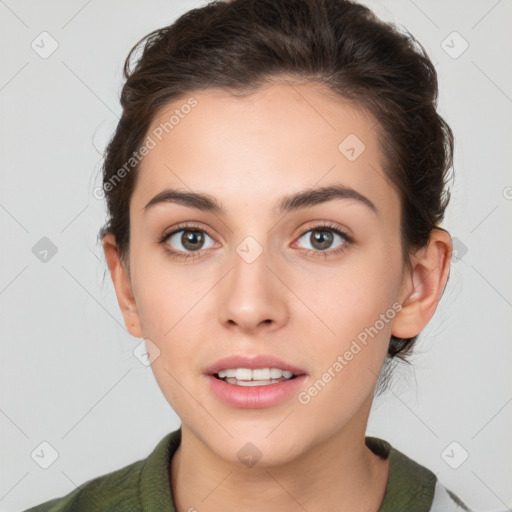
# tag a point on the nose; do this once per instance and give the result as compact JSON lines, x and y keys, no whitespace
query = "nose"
{"x":253,"y":297}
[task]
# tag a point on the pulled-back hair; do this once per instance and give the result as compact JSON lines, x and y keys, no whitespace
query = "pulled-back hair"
{"x":241,"y":45}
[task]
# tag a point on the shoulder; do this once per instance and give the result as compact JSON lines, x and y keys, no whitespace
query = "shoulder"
{"x":142,"y":485}
{"x":412,"y":486}
{"x":117,"y":490}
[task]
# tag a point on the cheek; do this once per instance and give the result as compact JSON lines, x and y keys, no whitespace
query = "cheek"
{"x":348,"y":356}
{"x":166,"y":293}
{"x":351,"y":297}
{"x":173,"y":307}
{"x":354,"y":311}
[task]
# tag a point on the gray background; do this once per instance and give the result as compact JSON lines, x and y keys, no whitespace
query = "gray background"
{"x":68,"y":373}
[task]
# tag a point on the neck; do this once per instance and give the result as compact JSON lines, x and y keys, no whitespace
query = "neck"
{"x":339,"y":473}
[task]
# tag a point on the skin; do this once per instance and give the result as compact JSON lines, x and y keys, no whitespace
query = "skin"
{"x":248,"y":153}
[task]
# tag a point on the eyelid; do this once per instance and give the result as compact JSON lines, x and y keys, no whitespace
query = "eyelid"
{"x":328,"y":226}
{"x":315,"y":226}
{"x":191,"y":226}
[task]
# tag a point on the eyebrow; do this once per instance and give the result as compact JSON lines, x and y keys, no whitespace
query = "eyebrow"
{"x":297,"y":201}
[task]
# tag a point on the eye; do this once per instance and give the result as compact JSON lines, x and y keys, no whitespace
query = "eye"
{"x":324,"y":238}
{"x":187,"y":239}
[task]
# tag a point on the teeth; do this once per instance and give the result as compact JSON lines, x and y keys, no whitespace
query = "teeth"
{"x":259,"y":374}
{"x":253,"y":382}
{"x":243,"y":374}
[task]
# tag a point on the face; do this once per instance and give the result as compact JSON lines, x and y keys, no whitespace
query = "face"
{"x":292,"y":252}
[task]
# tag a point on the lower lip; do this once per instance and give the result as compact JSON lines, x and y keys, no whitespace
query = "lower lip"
{"x":255,"y":397}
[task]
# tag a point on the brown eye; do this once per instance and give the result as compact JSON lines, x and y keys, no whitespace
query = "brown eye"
{"x":190,"y":240}
{"x":321,"y":239}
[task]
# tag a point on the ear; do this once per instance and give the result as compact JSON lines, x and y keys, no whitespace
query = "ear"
{"x":122,"y":284}
{"x":424,"y":285}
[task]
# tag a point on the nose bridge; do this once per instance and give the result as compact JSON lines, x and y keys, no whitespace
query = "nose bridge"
{"x":250,"y":280}
{"x":251,"y":263}
{"x":252,"y":295}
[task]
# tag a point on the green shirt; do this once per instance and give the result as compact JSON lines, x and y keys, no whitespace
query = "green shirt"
{"x":144,"y":486}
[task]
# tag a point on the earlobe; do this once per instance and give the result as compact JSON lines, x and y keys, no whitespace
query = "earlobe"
{"x":122,"y":285}
{"x":424,"y":285}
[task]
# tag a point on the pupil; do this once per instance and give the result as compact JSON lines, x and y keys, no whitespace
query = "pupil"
{"x":321,"y":239}
{"x":192,"y":239}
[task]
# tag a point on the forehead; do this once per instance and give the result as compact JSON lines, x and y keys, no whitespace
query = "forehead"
{"x":282,"y":138}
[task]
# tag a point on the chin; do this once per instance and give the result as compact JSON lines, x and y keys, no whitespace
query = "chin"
{"x":254,"y":447}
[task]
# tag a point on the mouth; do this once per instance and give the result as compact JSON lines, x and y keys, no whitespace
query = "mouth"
{"x":254,"y":382}
{"x":259,"y":370}
{"x":254,"y":377}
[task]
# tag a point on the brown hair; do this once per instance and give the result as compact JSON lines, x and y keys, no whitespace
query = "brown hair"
{"x":242,"y":45}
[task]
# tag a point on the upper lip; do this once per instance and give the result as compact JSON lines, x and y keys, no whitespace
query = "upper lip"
{"x":252,"y":362}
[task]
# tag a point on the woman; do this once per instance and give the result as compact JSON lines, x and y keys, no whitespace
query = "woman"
{"x":275,"y":187}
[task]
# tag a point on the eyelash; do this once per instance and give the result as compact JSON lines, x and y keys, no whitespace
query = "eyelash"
{"x":348,"y":240}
